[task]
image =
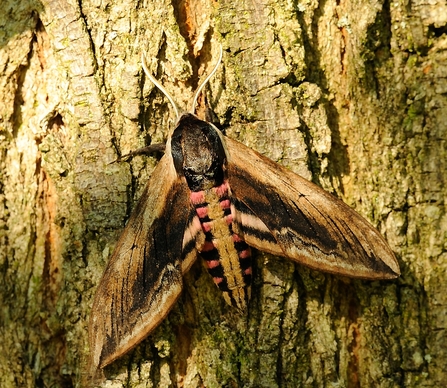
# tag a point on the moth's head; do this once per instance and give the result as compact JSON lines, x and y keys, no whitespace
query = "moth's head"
{"x":196,"y":146}
{"x":198,"y":152}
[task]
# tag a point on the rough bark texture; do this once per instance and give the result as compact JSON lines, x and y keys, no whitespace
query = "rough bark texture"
{"x":350,"y":94}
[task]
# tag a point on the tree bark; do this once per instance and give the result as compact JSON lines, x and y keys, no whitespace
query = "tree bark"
{"x":351,"y":95}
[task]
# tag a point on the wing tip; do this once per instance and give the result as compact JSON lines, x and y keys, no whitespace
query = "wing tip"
{"x":389,"y":275}
{"x":391,"y":268}
{"x":392,"y":273}
{"x":386,"y":271}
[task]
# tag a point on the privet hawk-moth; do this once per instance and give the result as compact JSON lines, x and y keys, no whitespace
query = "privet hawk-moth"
{"x":213,"y":196}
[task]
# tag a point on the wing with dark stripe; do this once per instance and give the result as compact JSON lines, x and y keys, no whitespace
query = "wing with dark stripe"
{"x":144,"y":276}
{"x":282,"y":213}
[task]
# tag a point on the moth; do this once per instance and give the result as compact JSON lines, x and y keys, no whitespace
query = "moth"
{"x":214,"y":197}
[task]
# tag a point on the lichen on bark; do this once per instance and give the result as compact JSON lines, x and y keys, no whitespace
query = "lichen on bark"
{"x":349,"y":95}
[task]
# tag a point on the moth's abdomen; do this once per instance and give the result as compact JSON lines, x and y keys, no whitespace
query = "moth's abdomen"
{"x":227,"y":255}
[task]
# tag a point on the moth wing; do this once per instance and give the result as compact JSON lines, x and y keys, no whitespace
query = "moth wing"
{"x":143,"y":278}
{"x":278,"y":211}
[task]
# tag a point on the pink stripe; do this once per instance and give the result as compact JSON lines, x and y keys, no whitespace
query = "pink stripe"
{"x":247,"y":271}
{"x":197,"y":197}
{"x":218,"y":280}
{"x":202,"y":211}
{"x":206,"y":226}
{"x":222,"y":189}
{"x":244,"y":254}
{"x":212,"y":263}
{"x":236,"y":238}
{"x":225,"y":204}
{"x":229,"y":219}
{"x":208,"y":246}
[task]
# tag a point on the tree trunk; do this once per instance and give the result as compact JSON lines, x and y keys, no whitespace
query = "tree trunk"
{"x":350,"y":95}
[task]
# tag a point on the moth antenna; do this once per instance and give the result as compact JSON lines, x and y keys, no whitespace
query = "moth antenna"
{"x":158,"y":84}
{"x":199,"y":90}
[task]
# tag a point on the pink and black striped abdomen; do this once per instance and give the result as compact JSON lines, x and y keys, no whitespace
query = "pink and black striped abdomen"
{"x":227,"y":255}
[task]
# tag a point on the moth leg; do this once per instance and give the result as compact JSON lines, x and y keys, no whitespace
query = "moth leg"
{"x":149,"y":150}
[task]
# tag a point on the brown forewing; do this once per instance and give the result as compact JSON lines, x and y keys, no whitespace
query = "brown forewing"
{"x":278,"y":211}
{"x":144,"y":276}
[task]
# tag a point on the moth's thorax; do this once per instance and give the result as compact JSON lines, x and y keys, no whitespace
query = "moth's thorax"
{"x":226,"y":254}
{"x":198,"y":153}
